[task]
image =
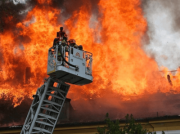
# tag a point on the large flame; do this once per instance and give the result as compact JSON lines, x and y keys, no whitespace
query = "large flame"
{"x":119,"y":62}
{"x":38,"y":30}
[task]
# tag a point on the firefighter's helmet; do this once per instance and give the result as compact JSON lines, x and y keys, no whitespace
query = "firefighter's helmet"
{"x":72,"y":41}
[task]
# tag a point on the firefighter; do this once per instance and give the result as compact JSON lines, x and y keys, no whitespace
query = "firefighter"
{"x":64,"y":41}
{"x":76,"y":46}
{"x":80,"y":47}
{"x":72,"y":43}
{"x":61,"y":36}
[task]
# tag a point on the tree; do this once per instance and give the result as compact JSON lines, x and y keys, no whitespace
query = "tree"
{"x":130,"y":127}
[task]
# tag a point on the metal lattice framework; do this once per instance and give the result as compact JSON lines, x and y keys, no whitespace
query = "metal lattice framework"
{"x":46,"y":107}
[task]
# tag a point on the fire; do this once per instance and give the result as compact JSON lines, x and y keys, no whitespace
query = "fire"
{"x":119,"y":63}
{"x":39,"y":29}
{"x":123,"y":28}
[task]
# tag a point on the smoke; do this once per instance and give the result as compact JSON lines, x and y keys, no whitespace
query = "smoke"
{"x":163,"y":31}
{"x":146,"y":106}
{"x":10,"y":115}
{"x":11,"y":14}
{"x":173,"y":8}
{"x":70,"y":6}
{"x":94,"y":109}
{"x":162,"y":43}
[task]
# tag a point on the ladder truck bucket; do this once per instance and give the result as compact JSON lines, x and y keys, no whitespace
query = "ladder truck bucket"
{"x":76,"y":68}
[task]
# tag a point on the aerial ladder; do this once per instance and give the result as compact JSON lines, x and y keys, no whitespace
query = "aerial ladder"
{"x":67,"y":63}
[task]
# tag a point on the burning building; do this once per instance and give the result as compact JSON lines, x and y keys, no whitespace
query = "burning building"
{"x":126,"y":79}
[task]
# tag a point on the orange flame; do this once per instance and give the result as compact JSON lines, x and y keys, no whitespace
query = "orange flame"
{"x":40,"y":27}
{"x":119,"y":62}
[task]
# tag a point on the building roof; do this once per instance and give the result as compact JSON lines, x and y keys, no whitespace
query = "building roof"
{"x":153,"y":124}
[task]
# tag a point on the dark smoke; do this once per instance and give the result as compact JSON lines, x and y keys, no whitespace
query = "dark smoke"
{"x":10,"y":10}
{"x":10,"y":115}
{"x":145,"y":106}
{"x":70,"y":6}
{"x":94,"y":109}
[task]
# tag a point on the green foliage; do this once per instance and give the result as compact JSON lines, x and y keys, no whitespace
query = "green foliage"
{"x":112,"y":127}
{"x":131,"y":127}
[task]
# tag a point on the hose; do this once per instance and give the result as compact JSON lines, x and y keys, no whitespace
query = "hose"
{"x":66,"y":61}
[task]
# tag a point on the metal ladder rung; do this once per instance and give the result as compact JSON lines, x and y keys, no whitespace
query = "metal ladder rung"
{"x":56,"y":80}
{"x":41,"y":129}
{"x":55,"y":96}
{"x":51,"y":102}
{"x":45,"y":123}
{"x":56,"y":89}
{"x":47,"y":116}
{"x":50,"y":109}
